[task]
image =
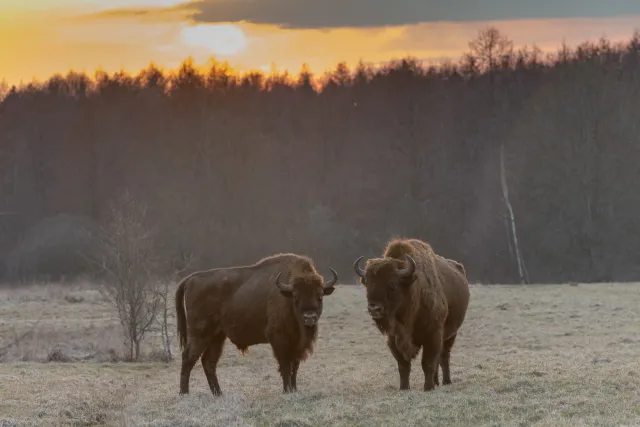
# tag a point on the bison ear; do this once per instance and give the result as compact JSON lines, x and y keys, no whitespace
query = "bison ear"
{"x":328,"y":291}
{"x":363,"y":282}
{"x":285,"y":289}
{"x":286,"y":293}
{"x":406,"y":282}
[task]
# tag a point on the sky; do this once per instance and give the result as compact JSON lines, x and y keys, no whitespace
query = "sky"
{"x":42,"y":37}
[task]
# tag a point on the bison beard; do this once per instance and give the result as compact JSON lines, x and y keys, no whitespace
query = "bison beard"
{"x":277,"y":301}
{"x":418,"y":299}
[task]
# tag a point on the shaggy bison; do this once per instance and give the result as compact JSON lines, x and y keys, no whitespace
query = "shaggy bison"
{"x":277,"y":301}
{"x":417,"y":299}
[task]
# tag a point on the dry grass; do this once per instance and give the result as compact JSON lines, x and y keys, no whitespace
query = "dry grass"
{"x":538,"y":355}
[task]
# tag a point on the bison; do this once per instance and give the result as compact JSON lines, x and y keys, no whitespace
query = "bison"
{"x":276,"y":301}
{"x":418,"y":299}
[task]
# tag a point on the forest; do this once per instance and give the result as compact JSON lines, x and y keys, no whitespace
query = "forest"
{"x":520,"y":164}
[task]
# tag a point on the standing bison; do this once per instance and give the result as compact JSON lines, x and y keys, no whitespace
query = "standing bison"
{"x":277,"y":301}
{"x":417,"y":299}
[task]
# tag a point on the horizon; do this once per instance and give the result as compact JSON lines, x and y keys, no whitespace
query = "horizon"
{"x":86,"y":36}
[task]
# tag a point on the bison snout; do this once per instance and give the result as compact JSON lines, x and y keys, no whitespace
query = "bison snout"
{"x":310,"y":318}
{"x":376,"y":310}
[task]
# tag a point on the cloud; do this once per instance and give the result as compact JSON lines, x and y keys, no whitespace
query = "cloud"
{"x":301,"y":14}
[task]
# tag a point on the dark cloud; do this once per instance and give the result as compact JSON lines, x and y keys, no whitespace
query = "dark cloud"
{"x":376,"y":13}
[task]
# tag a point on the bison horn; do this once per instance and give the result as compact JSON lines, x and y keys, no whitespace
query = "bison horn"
{"x":333,"y":281}
{"x":356,"y":267}
{"x":408,"y":271}
{"x":283,"y":286}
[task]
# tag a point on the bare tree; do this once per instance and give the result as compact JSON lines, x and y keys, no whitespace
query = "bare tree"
{"x":163,"y":319}
{"x":4,"y":349}
{"x":522,"y":271}
{"x":490,"y":49}
{"x":130,"y":263}
{"x":181,"y":265}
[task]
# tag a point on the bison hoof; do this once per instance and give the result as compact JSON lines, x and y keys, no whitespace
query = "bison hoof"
{"x":446,"y":382}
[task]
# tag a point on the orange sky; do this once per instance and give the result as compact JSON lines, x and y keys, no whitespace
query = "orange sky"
{"x":50,"y":36}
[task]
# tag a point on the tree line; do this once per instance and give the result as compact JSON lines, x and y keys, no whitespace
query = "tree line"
{"x":519,"y":164}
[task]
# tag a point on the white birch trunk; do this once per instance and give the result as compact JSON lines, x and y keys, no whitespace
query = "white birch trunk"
{"x":512,"y":219}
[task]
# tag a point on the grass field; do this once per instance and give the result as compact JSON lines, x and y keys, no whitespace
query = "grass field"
{"x":526,"y":356}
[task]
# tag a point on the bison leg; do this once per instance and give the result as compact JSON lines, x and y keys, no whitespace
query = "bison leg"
{"x":404,"y":366}
{"x":445,"y":357}
{"x":294,"y":375}
{"x":190,"y":355}
{"x":209,"y":362}
{"x":285,"y":372}
{"x":436,"y":380}
{"x":431,"y":358}
{"x":285,"y":363}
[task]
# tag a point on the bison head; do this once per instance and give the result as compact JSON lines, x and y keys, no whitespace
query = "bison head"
{"x":307,"y":291}
{"x":387,"y":281}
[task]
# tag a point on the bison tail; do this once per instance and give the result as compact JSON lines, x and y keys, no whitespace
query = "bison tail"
{"x":181,"y":318}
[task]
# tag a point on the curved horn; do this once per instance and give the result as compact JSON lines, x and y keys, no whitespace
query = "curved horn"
{"x":356,"y":267}
{"x":283,"y":286}
{"x":333,"y":281}
{"x":406,"y":272}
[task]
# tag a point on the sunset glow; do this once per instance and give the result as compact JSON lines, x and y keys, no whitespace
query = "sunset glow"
{"x":42,"y":37}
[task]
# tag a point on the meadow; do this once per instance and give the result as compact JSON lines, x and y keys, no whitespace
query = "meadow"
{"x":548,"y":355}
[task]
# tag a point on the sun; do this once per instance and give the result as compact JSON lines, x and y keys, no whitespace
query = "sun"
{"x":219,"y":39}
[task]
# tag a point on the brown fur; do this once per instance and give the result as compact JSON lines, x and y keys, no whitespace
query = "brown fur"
{"x":245,"y":305}
{"x":422,"y":311}
{"x":457,"y":265}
